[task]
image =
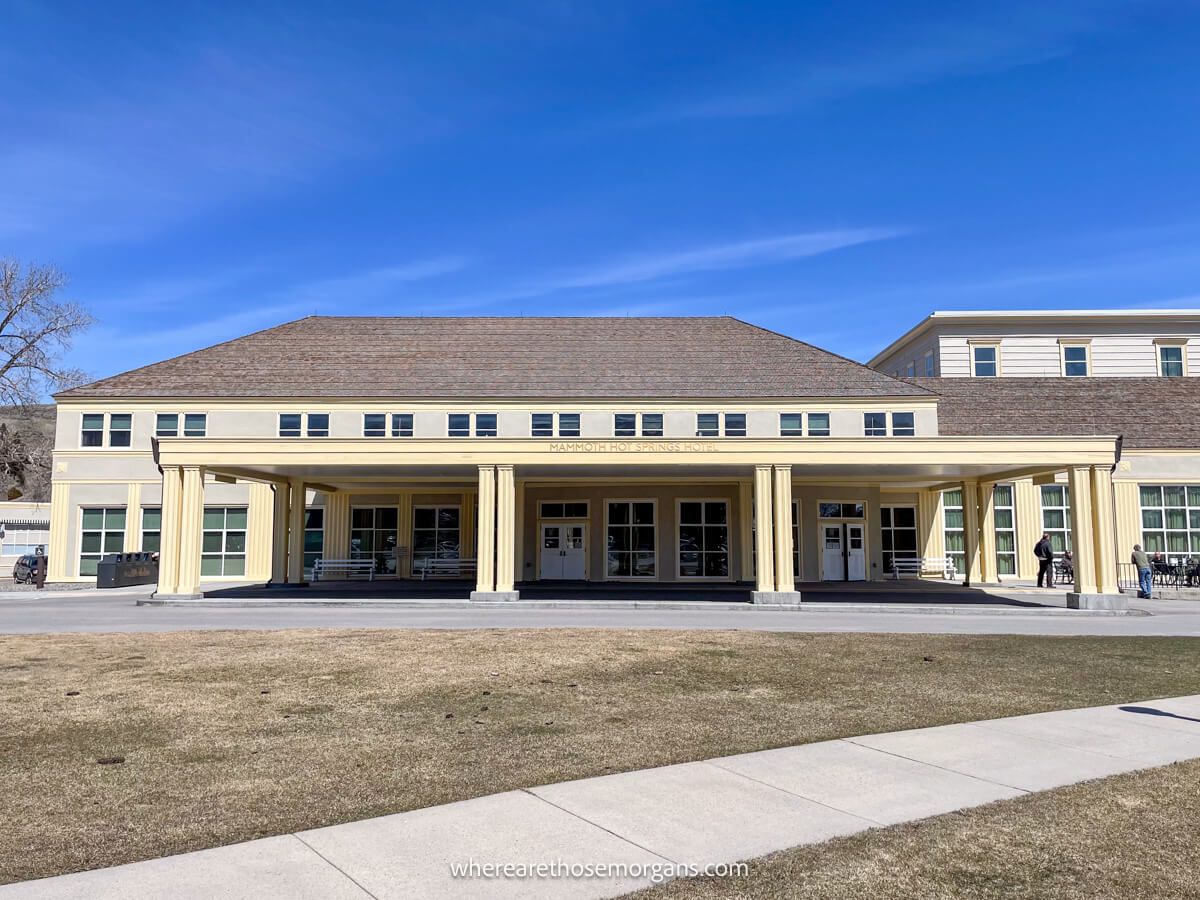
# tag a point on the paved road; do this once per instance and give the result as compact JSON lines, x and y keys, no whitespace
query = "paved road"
{"x":92,"y":611}
{"x":651,"y":821}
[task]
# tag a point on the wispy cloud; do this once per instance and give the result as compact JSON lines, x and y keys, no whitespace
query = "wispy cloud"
{"x":718,"y":257}
{"x":374,"y":284}
{"x":1010,"y":36}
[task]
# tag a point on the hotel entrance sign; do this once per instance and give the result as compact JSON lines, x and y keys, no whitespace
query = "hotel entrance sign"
{"x":632,"y":446}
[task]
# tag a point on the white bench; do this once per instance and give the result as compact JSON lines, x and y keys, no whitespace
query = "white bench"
{"x":346,"y":567}
{"x":429,"y":566}
{"x":918,"y":566}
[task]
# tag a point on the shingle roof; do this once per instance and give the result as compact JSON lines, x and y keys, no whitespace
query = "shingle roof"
{"x":1149,"y":413}
{"x":393,"y":357}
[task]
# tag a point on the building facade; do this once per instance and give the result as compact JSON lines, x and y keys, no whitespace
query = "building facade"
{"x":698,"y":451}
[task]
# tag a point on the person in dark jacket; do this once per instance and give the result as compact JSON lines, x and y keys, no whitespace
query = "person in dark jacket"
{"x":1045,"y":557}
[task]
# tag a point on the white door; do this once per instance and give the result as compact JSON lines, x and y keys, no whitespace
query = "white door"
{"x":564,"y":548}
{"x":856,"y":554}
{"x":574,"y":550}
{"x":832,"y":559}
{"x":551,"y":559}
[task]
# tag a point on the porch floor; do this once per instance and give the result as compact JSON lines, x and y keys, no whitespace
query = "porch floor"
{"x":913,"y":591}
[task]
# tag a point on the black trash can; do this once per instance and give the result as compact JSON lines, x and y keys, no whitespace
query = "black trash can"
{"x":125,"y":569}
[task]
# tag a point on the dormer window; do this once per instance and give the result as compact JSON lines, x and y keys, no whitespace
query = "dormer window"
{"x":1076,"y":359}
{"x":985,"y":360}
{"x":1172,"y":362}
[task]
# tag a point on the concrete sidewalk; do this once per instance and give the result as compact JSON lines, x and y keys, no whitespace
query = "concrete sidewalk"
{"x":721,"y":810}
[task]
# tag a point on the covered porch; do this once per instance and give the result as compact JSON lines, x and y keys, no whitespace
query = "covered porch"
{"x":763,"y":520}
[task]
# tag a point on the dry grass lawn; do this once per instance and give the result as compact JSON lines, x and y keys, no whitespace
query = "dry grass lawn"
{"x":1133,"y":836}
{"x":227,"y":736}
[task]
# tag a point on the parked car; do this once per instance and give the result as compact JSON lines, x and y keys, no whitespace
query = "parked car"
{"x":25,"y":568}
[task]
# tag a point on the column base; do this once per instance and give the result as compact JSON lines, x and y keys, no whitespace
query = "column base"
{"x":495,"y":596}
{"x":1115,"y":602}
{"x":157,"y":596}
{"x":776,"y":598}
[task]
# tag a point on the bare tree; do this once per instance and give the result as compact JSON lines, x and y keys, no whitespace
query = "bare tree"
{"x":36,"y":330}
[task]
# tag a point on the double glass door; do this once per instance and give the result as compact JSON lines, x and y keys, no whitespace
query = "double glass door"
{"x":563,"y":554}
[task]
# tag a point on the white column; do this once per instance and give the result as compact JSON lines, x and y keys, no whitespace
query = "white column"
{"x":505,"y":530}
{"x":970,"y":507}
{"x":168,"y":544}
{"x":987,"y":533}
{"x":1082,"y":538}
{"x":295,"y":543}
{"x":785,"y":577}
{"x":485,"y":534}
{"x":190,"y":531}
{"x":764,"y":540}
{"x":1105,"y":531}
{"x":280,"y":506}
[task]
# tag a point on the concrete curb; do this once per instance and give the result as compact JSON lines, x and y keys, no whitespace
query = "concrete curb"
{"x":682,"y":605}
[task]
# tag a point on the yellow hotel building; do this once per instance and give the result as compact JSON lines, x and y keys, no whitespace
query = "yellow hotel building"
{"x":630,"y":451}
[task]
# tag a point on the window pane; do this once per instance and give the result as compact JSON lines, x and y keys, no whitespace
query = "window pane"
{"x":874,"y":424}
{"x":93,"y":422}
{"x":830,"y":510}
{"x":735,"y":424}
{"x":1003,"y":495}
{"x":643,"y":513}
{"x":364,"y":517}
{"x":151,"y":519}
{"x":314,"y":517}
{"x":568,"y":424}
{"x":90,"y":542}
{"x":707,"y":424}
{"x":902,"y":424}
{"x":690,"y":513}
{"x":211,"y":542}
{"x":235,"y":565}
{"x":235,"y":542}
{"x":652,"y":424}
{"x":485,"y":425}
{"x":166,"y":425}
{"x":289,"y":425}
{"x":236,"y":518}
{"x":714,"y":513}
{"x":93,"y":518}
{"x":214,"y":517}
{"x":1150,"y":495}
{"x":576,"y":511}
{"x":791,"y":424}
{"x":618,"y":513}
{"x":402,"y":425}
{"x":625,"y":425}
{"x":543,"y":425}
{"x":818,"y":424}
{"x":459,"y":425}
{"x":374,"y":424}
{"x":904,"y":517}
{"x":318,"y":424}
{"x":210,"y":566}
{"x":114,"y":518}
{"x":195,"y":424}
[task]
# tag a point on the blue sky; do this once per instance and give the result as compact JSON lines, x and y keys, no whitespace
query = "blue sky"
{"x":832,"y":171}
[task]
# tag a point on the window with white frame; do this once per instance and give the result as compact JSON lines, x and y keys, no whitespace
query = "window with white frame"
{"x":168,"y":424}
{"x":720,"y":424}
{"x":120,"y":429}
{"x":875,"y":424}
{"x":1170,"y":518}
{"x":930,"y":365}
{"x":1172,"y":363}
{"x":460,"y":424}
{"x":953,"y":534}
{"x":703,"y":539}
{"x":903,"y":424}
{"x":1076,"y":360}
{"x":627,"y":424}
{"x":376,"y":424}
{"x":563,"y":509}
{"x":314,"y":536}
{"x":630,"y":536}
{"x":437,"y":532}
{"x":985,"y":360}
{"x":1056,"y":515}
{"x":1004,"y":518}
{"x":898,"y":533}
{"x":102,"y":530}
{"x":801,"y":424}
{"x":310,"y":424}
{"x":373,"y":535}
{"x":151,"y":529}
{"x":92,"y":430}
{"x":223,"y":542}
{"x":544,"y":424}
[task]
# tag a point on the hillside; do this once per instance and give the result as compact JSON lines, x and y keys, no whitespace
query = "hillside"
{"x":26,"y":439}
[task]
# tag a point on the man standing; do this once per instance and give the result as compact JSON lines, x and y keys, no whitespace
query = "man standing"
{"x":1045,"y":557}
{"x":1141,"y":562}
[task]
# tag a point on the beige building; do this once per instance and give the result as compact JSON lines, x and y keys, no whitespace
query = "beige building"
{"x":509,"y":451}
